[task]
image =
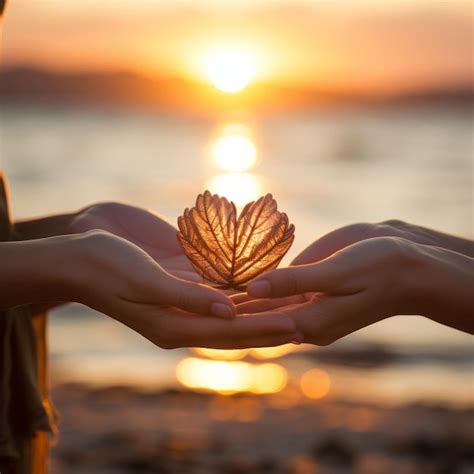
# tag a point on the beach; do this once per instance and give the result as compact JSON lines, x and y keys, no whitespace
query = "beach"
{"x":124,"y":430}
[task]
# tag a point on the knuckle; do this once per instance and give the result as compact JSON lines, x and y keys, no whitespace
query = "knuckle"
{"x":184,"y":299}
{"x":291,"y":283}
{"x":104,"y":207}
{"x":391,"y":227}
{"x":397,"y":223}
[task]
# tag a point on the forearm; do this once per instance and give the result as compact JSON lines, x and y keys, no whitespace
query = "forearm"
{"x":48,"y":226}
{"x":36,"y":271}
{"x":444,"y":287}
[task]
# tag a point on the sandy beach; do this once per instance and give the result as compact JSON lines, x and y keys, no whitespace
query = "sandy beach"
{"x":122,"y":430}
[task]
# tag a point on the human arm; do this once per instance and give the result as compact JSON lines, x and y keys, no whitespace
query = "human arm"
{"x":46,"y":226}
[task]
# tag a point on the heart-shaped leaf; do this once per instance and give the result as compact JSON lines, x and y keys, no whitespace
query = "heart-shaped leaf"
{"x":230,"y":250}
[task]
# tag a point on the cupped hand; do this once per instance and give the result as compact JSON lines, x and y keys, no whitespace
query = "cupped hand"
{"x":146,"y":229}
{"x":366,"y":282}
{"x":117,"y":278}
{"x":355,"y":287}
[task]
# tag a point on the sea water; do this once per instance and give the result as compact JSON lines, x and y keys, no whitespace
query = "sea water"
{"x":326,"y":169}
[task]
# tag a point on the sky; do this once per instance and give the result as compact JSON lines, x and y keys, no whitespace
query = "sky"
{"x":361,"y":45}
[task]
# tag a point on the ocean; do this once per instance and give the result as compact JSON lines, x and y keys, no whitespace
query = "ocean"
{"x":327,"y":168}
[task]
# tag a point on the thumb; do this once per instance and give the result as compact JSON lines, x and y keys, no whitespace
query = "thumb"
{"x":195,"y":297}
{"x":317,"y":277}
{"x":332,"y":242}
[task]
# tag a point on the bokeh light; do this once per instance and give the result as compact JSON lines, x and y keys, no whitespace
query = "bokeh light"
{"x":249,"y":409}
{"x":315,"y":383}
{"x":245,"y":409}
{"x":272,"y":352}
{"x":222,"y":408}
{"x":286,"y":399}
{"x":220,"y":354}
{"x":231,"y":377}
{"x":268,"y":378}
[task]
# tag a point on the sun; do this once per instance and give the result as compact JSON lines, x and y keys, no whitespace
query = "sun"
{"x":230,"y":70}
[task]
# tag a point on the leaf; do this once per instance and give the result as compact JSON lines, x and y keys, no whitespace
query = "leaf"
{"x":230,"y":250}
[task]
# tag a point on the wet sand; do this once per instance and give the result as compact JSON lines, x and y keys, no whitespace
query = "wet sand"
{"x":122,"y":430}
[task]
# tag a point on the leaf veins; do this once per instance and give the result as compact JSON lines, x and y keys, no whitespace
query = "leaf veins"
{"x":230,"y":250}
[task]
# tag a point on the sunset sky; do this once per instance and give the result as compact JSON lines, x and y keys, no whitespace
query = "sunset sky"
{"x":360,"y":45}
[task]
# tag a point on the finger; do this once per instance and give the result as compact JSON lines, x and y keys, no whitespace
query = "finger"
{"x":241,"y":298}
{"x":148,"y":229}
{"x":231,"y":292}
{"x":265,"y":329}
{"x":332,"y":242}
{"x":194,"y":297}
{"x":188,"y":276}
{"x":261,"y":305}
{"x":328,"y":318}
{"x":321,"y":277}
{"x":176,"y":262}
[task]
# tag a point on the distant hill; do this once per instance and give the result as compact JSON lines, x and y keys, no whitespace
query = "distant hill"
{"x":179,"y":96}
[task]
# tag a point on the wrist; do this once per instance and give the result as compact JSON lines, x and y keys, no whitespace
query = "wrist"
{"x":55,"y":269}
{"x":69,"y":275}
{"x":44,"y":227}
{"x":410,"y":269}
{"x":76,"y":267}
{"x":438,"y":285}
{"x":36,"y":271}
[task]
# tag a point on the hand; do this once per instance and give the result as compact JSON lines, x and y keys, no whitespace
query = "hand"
{"x":348,"y":235}
{"x":366,"y":282}
{"x":114,"y":276}
{"x":166,"y":310}
{"x":146,"y":229}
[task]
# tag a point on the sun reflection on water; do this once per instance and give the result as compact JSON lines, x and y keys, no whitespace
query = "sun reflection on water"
{"x":272,"y":352}
{"x":221,"y":354}
{"x":233,"y":150}
{"x":240,"y":188}
{"x":237,"y":354}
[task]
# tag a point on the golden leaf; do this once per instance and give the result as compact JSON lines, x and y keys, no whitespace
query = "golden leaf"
{"x":230,"y":250}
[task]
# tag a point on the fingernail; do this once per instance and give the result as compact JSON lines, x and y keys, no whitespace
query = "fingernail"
{"x":260,"y":289}
{"x":222,"y":310}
